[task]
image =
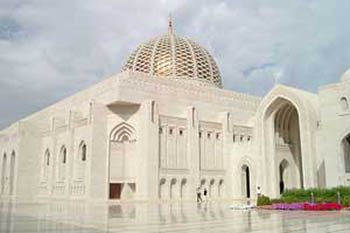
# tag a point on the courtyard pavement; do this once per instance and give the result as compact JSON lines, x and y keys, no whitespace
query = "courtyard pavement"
{"x":213,"y":217}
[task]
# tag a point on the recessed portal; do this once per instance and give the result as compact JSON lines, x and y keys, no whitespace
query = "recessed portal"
{"x":283,"y":121}
{"x":121,"y":163}
{"x":245,"y":177}
{"x":284,"y":176}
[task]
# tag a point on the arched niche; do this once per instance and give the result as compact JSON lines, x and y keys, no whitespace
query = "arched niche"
{"x":122,"y":160}
{"x":284,"y":99}
{"x":283,"y":141}
{"x":62,"y":162}
{"x":45,"y":165}
{"x":345,"y":144}
{"x":162,"y":189}
{"x":344,"y":103}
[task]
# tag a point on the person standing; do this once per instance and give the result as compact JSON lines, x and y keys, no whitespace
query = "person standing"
{"x":199,"y":197}
{"x":258,"y":191}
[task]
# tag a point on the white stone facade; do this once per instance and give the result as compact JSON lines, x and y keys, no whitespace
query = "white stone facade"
{"x":138,"y":137}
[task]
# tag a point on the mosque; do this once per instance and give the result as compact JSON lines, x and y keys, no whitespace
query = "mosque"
{"x":164,"y":126}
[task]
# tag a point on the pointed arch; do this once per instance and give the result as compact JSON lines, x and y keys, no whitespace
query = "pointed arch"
{"x":246,"y":171}
{"x":63,"y":154}
{"x":211,"y":189}
{"x":80,"y":161}
{"x":285,"y":134}
{"x":162,"y":189}
{"x":173,"y":188}
{"x":121,"y":155}
{"x":221,"y":187}
{"x":344,"y":103}
{"x":283,"y":175}
{"x":47,"y":157}
{"x":279,"y":112}
{"x":62,"y":160}
{"x":246,"y":181}
{"x":82,"y":155}
{"x":45,"y":164}
{"x":122,"y":132}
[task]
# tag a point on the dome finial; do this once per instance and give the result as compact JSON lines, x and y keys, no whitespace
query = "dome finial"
{"x":170,"y":24}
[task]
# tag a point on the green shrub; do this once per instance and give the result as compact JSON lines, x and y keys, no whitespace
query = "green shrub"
{"x":320,"y":195}
{"x":277,"y":201}
{"x":345,"y":201}
{"x":263,"y":200}
{"x":304,"y":195}
{"x":325,"y":199}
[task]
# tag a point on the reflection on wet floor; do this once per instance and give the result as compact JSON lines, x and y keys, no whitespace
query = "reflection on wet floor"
{"x":162,"y":217}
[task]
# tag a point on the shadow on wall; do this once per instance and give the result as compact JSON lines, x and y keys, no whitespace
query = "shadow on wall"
{"x":124,"y":110}
{"x":321,"y":175}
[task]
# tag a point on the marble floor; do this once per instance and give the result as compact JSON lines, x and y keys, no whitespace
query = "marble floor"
{"x":165,"y":217}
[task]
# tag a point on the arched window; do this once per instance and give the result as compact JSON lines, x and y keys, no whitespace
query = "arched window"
{"x":64,"y":155}
{"x":153,"y":111}
{"x":183,"y":190}
{"x":162,"y":189}
{"x":344,"y":104}
{"x":220,"y":188}
{"x":173,"y":184}
{"x":79,"y":166}
{"x":47,"y":157}
{"x":62,"y":163}
{"x":83,"y":152}
{"x":45,"y":164}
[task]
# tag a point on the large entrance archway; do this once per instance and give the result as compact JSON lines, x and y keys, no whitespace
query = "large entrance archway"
{"x":282,"y":136}
{"x":346,"y":153}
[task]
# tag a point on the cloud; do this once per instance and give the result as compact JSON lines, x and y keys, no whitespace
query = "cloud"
{"x":51,"y":49}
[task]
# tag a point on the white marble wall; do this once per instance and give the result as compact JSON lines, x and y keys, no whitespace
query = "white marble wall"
{"x":180,"y":136}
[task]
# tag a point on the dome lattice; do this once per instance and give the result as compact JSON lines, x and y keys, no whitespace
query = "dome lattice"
{"x":175,"y":57}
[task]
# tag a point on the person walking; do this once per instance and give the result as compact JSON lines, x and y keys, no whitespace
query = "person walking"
{"x":199,"y":195}
{"x":205,"y":193}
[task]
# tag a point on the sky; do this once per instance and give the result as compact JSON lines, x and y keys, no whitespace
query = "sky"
{"x":52,"y":49}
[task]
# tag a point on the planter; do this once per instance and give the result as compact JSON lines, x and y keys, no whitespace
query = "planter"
{"x":307,"y":206}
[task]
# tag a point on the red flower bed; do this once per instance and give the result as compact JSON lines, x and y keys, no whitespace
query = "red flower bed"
{"x":322,"y":206}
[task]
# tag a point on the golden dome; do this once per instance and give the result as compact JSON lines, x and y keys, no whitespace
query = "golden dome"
{"x":174,"y":57}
